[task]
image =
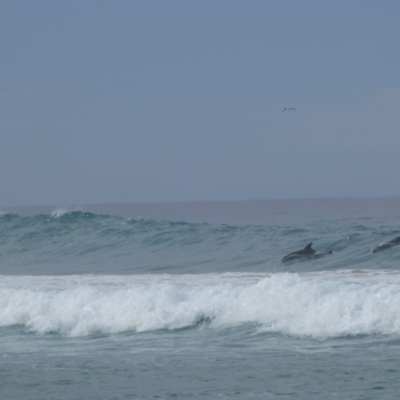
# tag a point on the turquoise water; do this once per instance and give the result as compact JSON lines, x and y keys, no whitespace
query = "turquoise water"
{"x":191,"y":300}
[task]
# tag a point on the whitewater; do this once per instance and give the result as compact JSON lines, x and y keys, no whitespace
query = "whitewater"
{"x":191,"y":300}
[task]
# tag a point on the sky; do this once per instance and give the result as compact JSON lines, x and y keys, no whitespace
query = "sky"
{"x":157,"y":101}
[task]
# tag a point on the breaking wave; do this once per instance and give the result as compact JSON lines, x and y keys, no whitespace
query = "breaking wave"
{"x":319,"y":305}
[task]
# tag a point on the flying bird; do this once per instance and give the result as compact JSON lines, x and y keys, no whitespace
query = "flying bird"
{"x":289,"y":109}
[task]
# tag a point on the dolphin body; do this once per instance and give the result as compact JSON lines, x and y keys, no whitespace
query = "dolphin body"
{"x":308,"y":253}
{"x":387,"y":245}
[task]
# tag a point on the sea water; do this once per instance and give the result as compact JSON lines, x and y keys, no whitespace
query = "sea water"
{"x":191,"y":300}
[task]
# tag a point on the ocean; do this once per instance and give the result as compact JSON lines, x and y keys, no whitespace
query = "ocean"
{"x":191,"y":301}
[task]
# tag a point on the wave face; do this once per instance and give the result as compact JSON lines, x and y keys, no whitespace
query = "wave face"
{"x":319,"y":305}
{"x":78,"y":242}
{"x":84,"y":242}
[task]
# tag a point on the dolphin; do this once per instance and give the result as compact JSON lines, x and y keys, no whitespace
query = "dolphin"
{"x":387,"y":245}
{"x":305,"y":254}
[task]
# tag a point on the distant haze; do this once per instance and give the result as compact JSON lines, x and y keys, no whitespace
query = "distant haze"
{"x":154,"y":101}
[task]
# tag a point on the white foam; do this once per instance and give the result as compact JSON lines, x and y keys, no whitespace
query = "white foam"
{"x":59,"y":212}
{"x":314,"y":305}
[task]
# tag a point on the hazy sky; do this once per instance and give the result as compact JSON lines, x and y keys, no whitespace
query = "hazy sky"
{"x":147,"y":101}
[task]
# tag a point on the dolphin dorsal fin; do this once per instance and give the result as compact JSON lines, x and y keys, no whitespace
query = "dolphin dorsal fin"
{"x":308,"y":249}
